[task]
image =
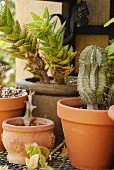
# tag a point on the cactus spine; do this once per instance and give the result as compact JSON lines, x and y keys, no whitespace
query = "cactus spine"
{"x":92,"y":76}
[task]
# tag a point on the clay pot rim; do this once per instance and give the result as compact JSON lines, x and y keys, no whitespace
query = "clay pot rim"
{"x":84,"y":116}
{"x":50,"y":89}
{"x":7,"y":126}
{"x":60,"y":102}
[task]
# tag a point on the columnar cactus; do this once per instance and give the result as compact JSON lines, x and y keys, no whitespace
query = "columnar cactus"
{"x":92,"y":76}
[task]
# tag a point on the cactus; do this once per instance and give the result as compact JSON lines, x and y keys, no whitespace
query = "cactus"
{"x":92,"y":79}
{"x":28,"y":118}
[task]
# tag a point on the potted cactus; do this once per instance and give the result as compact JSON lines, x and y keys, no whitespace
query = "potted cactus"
{"x":90,"y":138}
{"x":42,"y":47}
{"x":11,"y":102}
{"x":19,"y":131}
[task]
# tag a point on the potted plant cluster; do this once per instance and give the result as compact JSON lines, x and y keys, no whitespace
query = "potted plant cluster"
{"x":11,"y":102}
{"x":19,"y":131}
{"x":42,"y":47}
{"x":88,"y":130}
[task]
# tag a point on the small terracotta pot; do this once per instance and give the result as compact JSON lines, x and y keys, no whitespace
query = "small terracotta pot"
{"x":15,"y":137}
{"x":10,"y":107}
{"x":89,"y":135}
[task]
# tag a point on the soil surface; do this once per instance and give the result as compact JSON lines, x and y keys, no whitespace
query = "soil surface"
{"x":34,"y":122}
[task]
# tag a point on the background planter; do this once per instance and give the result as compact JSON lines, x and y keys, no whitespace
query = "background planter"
{"x":15,"y":137}
{"x":89,"y":135}
{"x":46,"y":98}
{"x":10,"y":107}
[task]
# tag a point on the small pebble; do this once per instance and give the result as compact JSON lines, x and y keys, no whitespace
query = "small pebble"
{"x":12,"y":92}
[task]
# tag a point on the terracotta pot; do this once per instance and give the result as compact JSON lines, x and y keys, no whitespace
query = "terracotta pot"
{"x":89,"y":135}
{"x":46,"y":98}
{"x":10,"y":107}
{"x":15,"y":137}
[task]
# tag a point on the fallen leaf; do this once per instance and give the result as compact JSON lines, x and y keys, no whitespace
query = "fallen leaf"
{"x":64,"y":152}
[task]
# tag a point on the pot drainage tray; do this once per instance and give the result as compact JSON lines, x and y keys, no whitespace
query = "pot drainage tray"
{"x":57,"y":162}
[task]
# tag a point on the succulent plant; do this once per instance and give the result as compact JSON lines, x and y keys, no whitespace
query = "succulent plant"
{"x":37,"y":155}
{"x":110,"y":53}
{"x":58,"y":57}
{"x":24,"y":44}
{"x":28,"y":118}
{"x":92,"y":78}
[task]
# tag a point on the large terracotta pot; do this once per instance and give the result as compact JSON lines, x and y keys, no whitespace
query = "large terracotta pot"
{"x":15,"y":137}
{"x":46,"y":98}
{"x":89,"y":135}
{"x":11,"y":107}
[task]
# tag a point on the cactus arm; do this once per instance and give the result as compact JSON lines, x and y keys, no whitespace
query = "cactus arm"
{"x":83,"y":82}
{"x":101,"y":84}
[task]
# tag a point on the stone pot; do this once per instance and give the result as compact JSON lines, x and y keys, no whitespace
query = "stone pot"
{"x":89,"y":135}
{"x":46,"y":98}
{"x":15,"y":137}
{"x":11,"y":107}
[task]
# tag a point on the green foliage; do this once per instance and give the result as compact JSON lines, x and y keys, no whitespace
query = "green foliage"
{"x":37,"y":158}
{"x":7,"y":59}
{"x":10,"y":3}
{"x":110,"y":53}
{"x":92,"y":79}
{"x":57,"y":57}
{"x":109,"y":22}
{"x":24,"y":44}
